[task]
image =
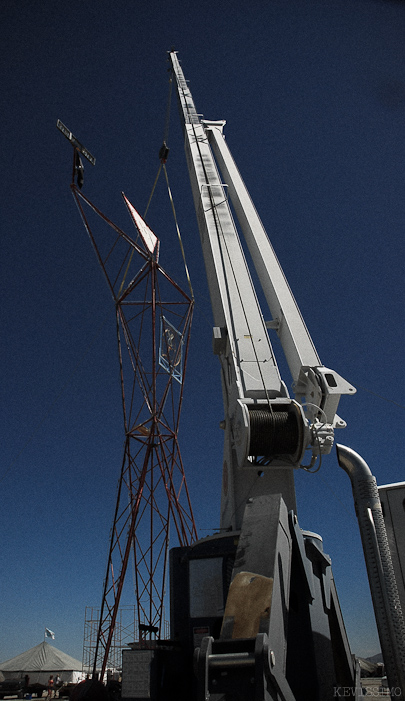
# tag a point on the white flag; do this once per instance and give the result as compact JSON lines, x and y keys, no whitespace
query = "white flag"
{"x":148,"y":237}
{"x":49,"y":634}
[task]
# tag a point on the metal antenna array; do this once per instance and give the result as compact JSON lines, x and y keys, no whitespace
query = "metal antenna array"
{"x":153,"y":317}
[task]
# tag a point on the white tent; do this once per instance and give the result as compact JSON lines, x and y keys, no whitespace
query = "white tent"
{"x":40,"y":662}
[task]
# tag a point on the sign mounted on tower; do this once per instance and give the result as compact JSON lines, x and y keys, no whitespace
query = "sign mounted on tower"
{"x":66,"y":132}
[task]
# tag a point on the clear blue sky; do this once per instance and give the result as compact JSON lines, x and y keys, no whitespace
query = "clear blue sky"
{"x":314,"y":98}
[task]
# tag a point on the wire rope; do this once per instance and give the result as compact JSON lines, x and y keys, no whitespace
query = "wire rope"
{"x":381,"y":396}
{"x":178,"y":232}
{"x":168,"y":110}
{"x":163,"y":153}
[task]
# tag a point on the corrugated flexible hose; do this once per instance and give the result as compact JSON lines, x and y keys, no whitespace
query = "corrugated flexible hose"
{"x":380,"y":570}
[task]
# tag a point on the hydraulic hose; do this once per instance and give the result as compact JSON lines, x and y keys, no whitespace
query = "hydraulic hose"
{"x":383,"y":586}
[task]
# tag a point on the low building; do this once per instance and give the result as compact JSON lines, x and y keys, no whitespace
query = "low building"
{"x":40,"y":662}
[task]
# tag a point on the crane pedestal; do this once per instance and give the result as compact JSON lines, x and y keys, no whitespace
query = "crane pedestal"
{"x":260,"y":614}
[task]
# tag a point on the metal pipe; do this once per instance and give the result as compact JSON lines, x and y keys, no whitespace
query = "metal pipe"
{"x":231,"y":659}
{"x":383,"y":586}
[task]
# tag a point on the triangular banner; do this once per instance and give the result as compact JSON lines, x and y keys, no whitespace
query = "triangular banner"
{"x":149,"y":239}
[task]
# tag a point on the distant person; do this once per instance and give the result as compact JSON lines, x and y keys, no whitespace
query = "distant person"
{"x":26,"y":683}
{"x":50,"y":686}
{"x":58,"y":683}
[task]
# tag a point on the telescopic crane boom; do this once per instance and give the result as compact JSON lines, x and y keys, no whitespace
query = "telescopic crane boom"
{"x":265,"y":429}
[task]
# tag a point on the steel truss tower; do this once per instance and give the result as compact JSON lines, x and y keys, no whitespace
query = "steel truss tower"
{"x":153,"y":318}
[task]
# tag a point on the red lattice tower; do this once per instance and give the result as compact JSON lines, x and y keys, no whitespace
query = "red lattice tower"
{"x":153,"y":328}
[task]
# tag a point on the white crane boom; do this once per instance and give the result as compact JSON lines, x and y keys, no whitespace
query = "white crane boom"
{"x":266,"y":431}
